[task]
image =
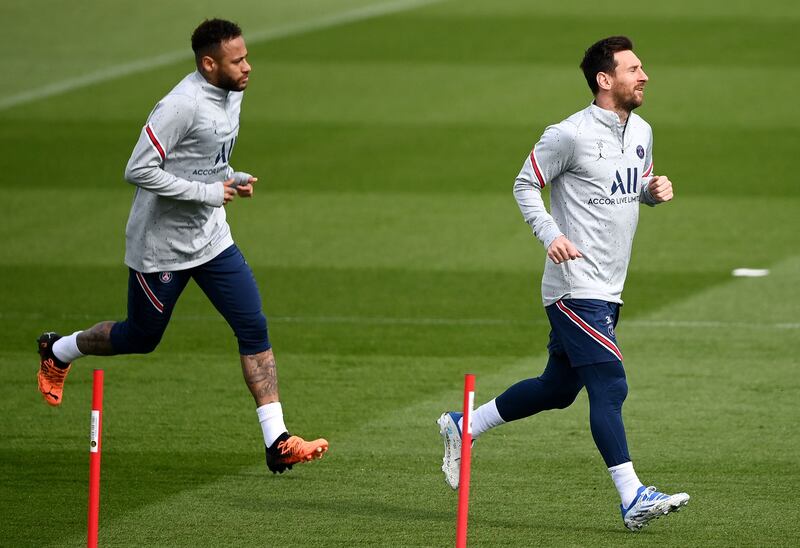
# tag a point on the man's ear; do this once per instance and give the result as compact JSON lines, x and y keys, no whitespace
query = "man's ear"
{"x":207,"y":63}
{"x":603,"y":80}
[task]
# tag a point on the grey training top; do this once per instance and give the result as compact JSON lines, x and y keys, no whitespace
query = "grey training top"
{"x":177,"y":220}
{"x":598,"y":169}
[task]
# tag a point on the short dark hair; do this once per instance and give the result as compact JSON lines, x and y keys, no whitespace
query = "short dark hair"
{"x":600,"y":58}
{"x":210,"y":34}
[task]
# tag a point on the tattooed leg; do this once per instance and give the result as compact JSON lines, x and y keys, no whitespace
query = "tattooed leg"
{"x":96,"y":341}
{"x":261,"y":377}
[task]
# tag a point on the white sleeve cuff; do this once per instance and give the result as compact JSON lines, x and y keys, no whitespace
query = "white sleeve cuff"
{"x":215,"y":194}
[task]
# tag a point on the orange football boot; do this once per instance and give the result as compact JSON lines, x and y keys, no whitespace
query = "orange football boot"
{"x":50,"y":376}
{"x":288,"y":450}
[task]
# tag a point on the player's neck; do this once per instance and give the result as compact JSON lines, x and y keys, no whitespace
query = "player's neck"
{"x":607,"y":103}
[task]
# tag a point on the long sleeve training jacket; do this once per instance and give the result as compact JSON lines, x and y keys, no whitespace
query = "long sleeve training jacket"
{"x":177,"y":220}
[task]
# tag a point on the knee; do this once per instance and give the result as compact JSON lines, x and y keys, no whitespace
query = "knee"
{"x":617,"y":390}
{"x":143,"y":343}
{"x":565,"y":397}
{"x":612,"y":392}
{"x":148,"y":344}
{"x":252,"y":335}
{"x":127,"y":339}
{"x":605,"y":383}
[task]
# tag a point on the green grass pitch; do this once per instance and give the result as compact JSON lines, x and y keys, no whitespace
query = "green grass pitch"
{"x":392,"y":259}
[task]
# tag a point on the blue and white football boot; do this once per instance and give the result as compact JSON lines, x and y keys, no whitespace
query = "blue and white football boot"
{"x":451,"y":434}
{"x":648,"y":505}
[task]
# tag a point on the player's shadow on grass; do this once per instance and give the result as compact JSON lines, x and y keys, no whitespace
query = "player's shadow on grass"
{"x":367,"y":508}
{"x":398,"y":512}
{"x":545,"y":526}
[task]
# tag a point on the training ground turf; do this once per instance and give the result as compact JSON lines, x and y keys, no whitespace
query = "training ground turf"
{"x":392,"y":259}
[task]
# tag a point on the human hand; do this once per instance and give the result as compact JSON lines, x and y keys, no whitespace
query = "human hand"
{"x":229,"y":187}
{"x":660,"y":188}
{"x":561,"y":249}
{"x":246,"y":190}
{"x":233,"y":188}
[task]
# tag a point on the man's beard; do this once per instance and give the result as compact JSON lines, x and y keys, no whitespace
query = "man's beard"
{"x":627,"y":102}
{"x":229,"y":84}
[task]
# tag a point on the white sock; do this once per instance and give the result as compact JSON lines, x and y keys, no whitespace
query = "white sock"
{"x":271,"y":418}
{"x":483,"y":418}
{"x":66,"y":348}
{"x":627,"y":482}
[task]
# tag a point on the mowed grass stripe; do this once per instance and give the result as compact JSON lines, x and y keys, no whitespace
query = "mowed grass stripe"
{"x":384,"y":157}
{"x":714,"y":10}
{"x":99,"y":294}
{"x":414,"y":231}
{"x":458,"y":38}
{"x":46,"y":43}
{"x":441,"y":93}
{"x":445,"y":93}
{"x":119,"y":70}
{"x":49,"y":54}
{"x":373,"y":320}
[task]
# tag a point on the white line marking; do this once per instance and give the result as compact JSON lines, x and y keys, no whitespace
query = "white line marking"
{"x":377,"y":320}
{"x":142,"y":65}
{"x":367,"y":320}
{"x":373,"y":320}
{"x":750,"y":272}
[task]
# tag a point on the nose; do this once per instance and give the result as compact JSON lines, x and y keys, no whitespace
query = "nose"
{"x":246,"y":67}
{"x":643,"y":76}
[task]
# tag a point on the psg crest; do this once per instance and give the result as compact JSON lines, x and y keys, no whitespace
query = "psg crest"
{"x":640,"y":151}
{"x":610,"y":326}
{"x":165,"y":277}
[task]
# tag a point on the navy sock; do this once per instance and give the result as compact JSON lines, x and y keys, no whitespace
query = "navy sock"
{"x":607,"y":388}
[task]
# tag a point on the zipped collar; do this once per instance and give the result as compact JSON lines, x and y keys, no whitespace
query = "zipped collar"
{"x":608,"y":118}
{"x":213,"y":91}
{"x":611,"y":120}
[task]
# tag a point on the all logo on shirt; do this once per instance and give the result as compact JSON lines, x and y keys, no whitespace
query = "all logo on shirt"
{"x":640,"y":151}
{"x":224,"y":154}
{"x":625,"y":188}
{"x":631,"y":184}
{"x":165,"y":277}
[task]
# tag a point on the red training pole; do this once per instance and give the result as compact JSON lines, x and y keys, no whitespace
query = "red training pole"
{"x":466,"y":454}
{"x":95,"y":435}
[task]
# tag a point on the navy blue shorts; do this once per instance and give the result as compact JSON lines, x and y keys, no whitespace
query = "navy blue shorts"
{"x":583,"y":329}
{"x":228,"y":282}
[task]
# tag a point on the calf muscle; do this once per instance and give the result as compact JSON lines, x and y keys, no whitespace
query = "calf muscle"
{"x":261,"y":376}
{"x":96,"y":341}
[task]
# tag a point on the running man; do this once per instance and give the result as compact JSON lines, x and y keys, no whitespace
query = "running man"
{"x":599,"y":165}
{"x":177,"y":231}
